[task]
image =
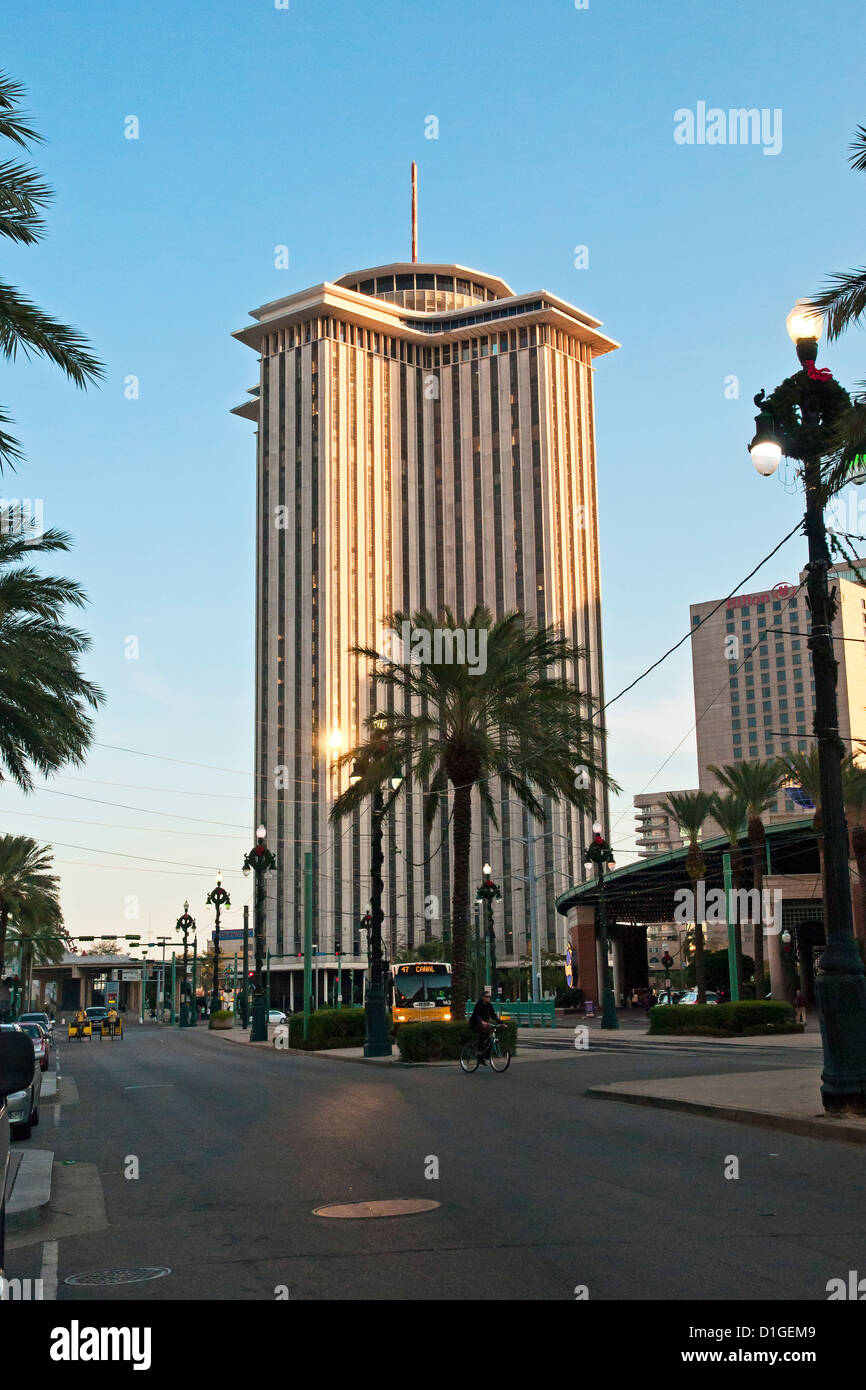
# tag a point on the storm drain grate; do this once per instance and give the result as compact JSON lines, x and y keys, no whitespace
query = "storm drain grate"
{"x":397,"y":1206}
{"x":105,"y":1277}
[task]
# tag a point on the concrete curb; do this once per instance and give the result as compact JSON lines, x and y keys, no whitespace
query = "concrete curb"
{"x":818,"y":1128}
{"x":31,"y":1193}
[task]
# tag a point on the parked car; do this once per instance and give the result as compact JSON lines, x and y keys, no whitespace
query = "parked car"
{"x":16,"y":1071}
{"x":22,"y":1107}
{"x":278,"y":1016}
{"x":45,"y":1019}
{"x":691,"y":997}
{"x":670,"y":996}
{"x":40,"y":1041}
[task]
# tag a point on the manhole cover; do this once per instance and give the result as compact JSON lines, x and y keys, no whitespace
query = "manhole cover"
{"x":104,"y":1277}
{"x":397,"y":1206}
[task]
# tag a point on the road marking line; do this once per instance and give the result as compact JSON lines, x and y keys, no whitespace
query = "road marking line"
{"x":152,"y":1086}
{"x":49,"y":1271}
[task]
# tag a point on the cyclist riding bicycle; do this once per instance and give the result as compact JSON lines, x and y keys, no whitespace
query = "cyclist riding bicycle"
{"x":483,"y":1017}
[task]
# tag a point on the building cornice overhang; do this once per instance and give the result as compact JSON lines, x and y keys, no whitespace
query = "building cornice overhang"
{"x":418,"y":326}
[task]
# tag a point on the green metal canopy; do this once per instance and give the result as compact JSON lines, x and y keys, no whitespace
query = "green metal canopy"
{"x":644,"y":891}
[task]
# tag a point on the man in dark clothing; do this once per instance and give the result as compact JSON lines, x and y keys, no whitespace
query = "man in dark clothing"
{"x":482,"y":1017}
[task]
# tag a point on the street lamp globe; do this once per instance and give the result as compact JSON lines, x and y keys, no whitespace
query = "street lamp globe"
{"x":246,"y":870}
{"x":766,"y":456}
{"x":397,"y":781}
{"x":486,"y":869}
{"x":596,"y":827}
{"x":804,"y":324}
{"x":260,"y":832}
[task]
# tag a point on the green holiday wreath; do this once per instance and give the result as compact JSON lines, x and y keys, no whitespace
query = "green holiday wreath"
{"x":825,"y":395}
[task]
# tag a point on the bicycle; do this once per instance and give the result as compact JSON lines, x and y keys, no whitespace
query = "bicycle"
{"x":498,"y":1057}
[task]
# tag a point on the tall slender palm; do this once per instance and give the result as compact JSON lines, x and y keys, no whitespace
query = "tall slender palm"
{"x":24,"y":327}
{"x":25,"y":879}
{"x":516,"y":717}
{"x":729,"y":813}
{"x":39,"y":928}
{"x":43,"y":693}
{"x":691,"y":809}
{"x":758,"y":784}
{"x":805,"y":767}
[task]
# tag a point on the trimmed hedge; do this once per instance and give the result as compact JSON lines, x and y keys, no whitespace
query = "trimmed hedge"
{"x":747,"y":1016}
{"x":442,"y":1042}
{"x":328,"y":1028}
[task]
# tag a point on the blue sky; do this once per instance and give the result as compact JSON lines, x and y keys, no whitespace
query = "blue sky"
{"x":262,"y":126}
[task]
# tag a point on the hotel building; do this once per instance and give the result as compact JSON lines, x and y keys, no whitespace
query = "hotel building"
{"x":753,"y":683}
{"x":424,"y":438}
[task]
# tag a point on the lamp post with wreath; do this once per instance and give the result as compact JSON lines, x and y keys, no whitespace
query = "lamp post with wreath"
{"x":800,"y":418}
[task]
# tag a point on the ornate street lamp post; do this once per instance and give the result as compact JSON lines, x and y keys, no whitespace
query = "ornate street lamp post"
{"x":487,"y":891}
{"x":259,"y":861}
{"x":799,"y":419}
{"x":217,"y":898}
{"x":185,"y":923}
{"x":601,"y":854}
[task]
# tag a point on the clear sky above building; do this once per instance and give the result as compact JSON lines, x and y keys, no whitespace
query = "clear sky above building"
{"x":555,"y":165}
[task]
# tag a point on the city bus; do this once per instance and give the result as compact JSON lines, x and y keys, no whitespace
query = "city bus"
{"x":422,"y":990}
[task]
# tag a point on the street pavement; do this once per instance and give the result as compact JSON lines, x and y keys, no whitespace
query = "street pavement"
{"x":541,"y":1189}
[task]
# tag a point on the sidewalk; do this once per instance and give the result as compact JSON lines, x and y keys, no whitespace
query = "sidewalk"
{"x":788,"y":1100}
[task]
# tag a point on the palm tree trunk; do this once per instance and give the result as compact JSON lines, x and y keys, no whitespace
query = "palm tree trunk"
{"x":460,"y":898}
{"x":756,"y":841}
{"x":4,"y":920}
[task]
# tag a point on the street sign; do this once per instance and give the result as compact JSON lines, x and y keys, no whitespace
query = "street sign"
{"x":130,"y":974}
{"x":230,"y":934}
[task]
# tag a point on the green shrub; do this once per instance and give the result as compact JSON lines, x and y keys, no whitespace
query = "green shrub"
{"x":220,"y":1015}
{"x":328,"y":1028}
{"x":441,"y":1042}
{"x":745,"y":1016}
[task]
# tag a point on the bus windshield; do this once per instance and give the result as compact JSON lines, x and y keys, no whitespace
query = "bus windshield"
{"x":422,"y":983}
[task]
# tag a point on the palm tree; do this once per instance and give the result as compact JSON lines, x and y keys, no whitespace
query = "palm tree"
{"x":24,"y":327}
{"x":26,"y":883}
{"x":520,"y":720}
{"x":757,"y":783}
{"x":729,"y":813}
{"x":691,"y":809}
{"x":844,"y":299}
{"x":43,"y":694}
{"x":39,"y":928}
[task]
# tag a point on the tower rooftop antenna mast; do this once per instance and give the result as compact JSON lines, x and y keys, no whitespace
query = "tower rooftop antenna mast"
{"x":414,"y":213}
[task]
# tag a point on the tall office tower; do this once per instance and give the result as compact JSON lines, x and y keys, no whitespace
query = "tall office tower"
{"x":752,"y":671}
{"x":425,"y":438}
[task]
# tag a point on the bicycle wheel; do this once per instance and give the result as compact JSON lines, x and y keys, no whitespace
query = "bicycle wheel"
{"x":469,"y":1057}
{"x":499,"y":1061}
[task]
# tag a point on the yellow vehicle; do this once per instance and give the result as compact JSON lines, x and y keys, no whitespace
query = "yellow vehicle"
{"x":80,"y":1026}
{"x":112,"y":1025}
{"x":422,"y":991}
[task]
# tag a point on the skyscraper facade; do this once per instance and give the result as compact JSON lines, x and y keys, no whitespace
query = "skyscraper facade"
{"x":424,"y":438}
{"x":753,"y":684}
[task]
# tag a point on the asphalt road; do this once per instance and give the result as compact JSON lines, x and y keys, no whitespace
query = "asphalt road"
{"x":541,"y":1189}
